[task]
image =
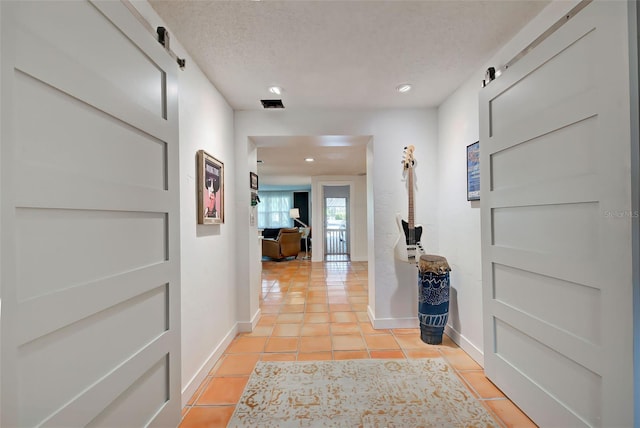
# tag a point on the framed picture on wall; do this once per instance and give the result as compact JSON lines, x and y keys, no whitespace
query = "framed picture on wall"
{"x":253,"y":181}
{"x":210,"y":189}
{"x":473,"y":171}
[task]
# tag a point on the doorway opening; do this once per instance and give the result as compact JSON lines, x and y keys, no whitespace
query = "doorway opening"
{"x":336,"y":223}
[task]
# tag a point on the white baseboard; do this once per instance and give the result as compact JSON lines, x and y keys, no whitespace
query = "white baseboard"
{"x":385,"y":323}
{"x":413,"y":322}
{"x":196,"y":380}
{"x":248,"y":326}
{"x":464,"y":343}
{"x":370,"y":314}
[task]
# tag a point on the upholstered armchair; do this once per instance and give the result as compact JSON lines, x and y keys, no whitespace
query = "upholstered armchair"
{"x":287,"y":244}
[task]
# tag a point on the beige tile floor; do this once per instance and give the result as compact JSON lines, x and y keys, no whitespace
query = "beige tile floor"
{"x":317,"y":311}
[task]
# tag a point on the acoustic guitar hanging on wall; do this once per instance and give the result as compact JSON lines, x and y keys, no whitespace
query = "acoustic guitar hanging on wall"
{"x":408,"y":247}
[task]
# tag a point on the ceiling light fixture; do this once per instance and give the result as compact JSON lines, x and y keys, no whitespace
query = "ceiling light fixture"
{"x":309,"y":159}
{"x":275,"y":90}
{"x":405,"y":87}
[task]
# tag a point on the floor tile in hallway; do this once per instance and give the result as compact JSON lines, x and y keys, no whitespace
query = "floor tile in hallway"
{"x":317,"y":311}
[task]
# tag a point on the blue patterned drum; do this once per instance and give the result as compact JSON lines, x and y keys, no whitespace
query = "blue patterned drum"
{"x":433,"y":298}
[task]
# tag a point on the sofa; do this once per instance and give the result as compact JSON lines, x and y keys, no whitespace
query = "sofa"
{"x":286,"y":244}
{"x":271,"y":233}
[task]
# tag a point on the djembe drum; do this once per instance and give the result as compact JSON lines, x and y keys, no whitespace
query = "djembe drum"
{"x":433,"y":297}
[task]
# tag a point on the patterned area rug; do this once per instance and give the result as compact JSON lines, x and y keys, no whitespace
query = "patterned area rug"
{"x":358,"y":393}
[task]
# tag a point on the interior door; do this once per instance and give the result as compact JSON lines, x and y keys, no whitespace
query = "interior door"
{"x":556,"y":225}
{"x":89,"y":219}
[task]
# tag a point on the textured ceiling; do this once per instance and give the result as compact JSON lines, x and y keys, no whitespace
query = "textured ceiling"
{"x":342,"y":54}
{"x":338,"y":54}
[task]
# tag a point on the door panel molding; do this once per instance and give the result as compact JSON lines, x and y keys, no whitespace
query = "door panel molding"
{"x":565,"y":106}
{"x":89,"y":218}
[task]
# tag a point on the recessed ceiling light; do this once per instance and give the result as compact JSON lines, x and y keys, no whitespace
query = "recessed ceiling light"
{"x":309,"y":159}
{"x":405,"y":87}
{"x":275,"y":90}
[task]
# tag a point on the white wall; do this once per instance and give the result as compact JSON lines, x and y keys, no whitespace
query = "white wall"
{"x":208,"y":263}
{"x":371,"y":245}
{"x":459,"y":220}
{"x":634,"y":56}
{"x":394,"y":284}
{"x":248,"y":311}
{"x":358,"y":213}
{"x":1,"y":136}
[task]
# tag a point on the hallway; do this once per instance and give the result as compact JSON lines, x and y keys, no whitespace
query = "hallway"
{"x":317,"y":311}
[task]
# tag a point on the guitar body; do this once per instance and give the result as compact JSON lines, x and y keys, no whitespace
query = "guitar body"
{"x":408,"y":248}
{"x":417,"y":233}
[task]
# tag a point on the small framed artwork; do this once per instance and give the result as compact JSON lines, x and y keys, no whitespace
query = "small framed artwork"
{"x":253,"y":181}
{"x":473,"y":171}
{"x":210,"y":189}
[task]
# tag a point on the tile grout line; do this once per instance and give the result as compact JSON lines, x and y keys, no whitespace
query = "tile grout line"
{"x":296,"y":285}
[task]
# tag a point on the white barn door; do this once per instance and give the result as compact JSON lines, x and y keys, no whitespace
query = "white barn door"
{"x":556,"y":225}
{"x":89,"y":258}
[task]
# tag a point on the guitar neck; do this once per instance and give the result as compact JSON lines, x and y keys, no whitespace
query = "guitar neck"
{"x":410,"y":212}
